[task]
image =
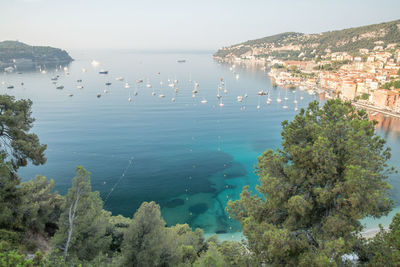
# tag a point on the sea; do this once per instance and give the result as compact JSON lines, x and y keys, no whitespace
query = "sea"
{"x":190,"y":153}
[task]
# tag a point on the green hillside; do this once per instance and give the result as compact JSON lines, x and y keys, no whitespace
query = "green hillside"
{"x":10,"y":51}
{"x":292,"y":45}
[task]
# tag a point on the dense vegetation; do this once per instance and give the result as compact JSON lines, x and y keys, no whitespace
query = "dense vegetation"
{"x":348,"y":40}
{"x":11,"y":50}
{"x":330,"y":173}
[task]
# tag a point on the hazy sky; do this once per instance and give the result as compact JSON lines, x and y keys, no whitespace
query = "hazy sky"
{"x":178,"y":24}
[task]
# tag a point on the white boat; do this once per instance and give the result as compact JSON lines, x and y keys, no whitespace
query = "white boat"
{"x":218,"y":96}
{"x":258,"y":106}
{"x":79,"y":86}
{"x":153,"y":93}
{"x":43,"y":71}
{"x":129,"y":99}
{"x":95,"y":63}
{"x":221,"y":104}
{"x":225,"y":91}
{"x":239,"y":98}
{"x":139,"y":81}
{"x":127,"y":85}
{"x":204,"y":101}
{"x":195,"y":91}
{"x":148,"y":85}
{"x":237,"y":76}
{"x":173,"y":99}
{"x":84,"y":70}
{"x":135,"y":93}
{"x":172,"y":85}
{"x":285,"y":107}
{"x":70,"y":95}
{"x":119,"y":79}
{"x":105,"y":91}
{"x":301,"y":98}
{"x":161,"y":96}
{"x":193,"y":95}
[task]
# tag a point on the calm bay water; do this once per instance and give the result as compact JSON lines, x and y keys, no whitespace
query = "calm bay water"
{"x":189,"y":157}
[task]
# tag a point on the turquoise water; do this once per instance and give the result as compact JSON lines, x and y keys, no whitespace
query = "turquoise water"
{"x":189,"y":157}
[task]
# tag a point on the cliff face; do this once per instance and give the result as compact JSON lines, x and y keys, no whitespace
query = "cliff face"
{"x":14,"y":53}
{"x":292,"y":45}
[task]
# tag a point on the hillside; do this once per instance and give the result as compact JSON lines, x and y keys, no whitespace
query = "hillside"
{"x":292,"y":45}
{"x":14,"y":53}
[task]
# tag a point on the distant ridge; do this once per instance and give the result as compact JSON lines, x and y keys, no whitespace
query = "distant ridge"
{"x":293,"y":45}
{"x":18,"y":54}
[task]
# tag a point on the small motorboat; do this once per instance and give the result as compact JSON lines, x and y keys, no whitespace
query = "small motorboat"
{"x":70,"y":95}
{"x":127,"y":85}
{"x":108,"y":83}
{"x":139,"y":81}
{"x":98,"y":95}
{"x":103,"y":72}
{"x":60,"y":87}
{"x":181,"y":60}
{"x":119,"y":79}
{"x":10,"y":87}
{"x":79,"y":87}
{"x":161,"y":96}
{"x":79,"y":81}
{"x":204,"y":101}
{"x":239,"y":98}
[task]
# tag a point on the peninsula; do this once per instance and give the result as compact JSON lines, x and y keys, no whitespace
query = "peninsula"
{"x":359,"y":64}
{"x":16,"y":55}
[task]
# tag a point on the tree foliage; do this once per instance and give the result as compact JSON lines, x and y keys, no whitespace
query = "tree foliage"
{"x":17,"y":144}
{"x":83,"y":222}
{"x":330,"y":173}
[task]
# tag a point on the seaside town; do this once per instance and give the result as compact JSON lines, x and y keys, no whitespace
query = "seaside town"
{"x":370,"y":79}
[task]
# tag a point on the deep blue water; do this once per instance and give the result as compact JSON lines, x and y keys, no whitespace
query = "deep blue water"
{"x":189,"y":157}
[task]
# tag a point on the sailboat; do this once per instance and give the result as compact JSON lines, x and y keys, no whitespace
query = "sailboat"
{"x":279,"y":100}
{"x":259,"y":99}
{"x":204,"y":101}
{"x":286,"y":97}
{"x":127,"y":85}
{"x":220,"y":103}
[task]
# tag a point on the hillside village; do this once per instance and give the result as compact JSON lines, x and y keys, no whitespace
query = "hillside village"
{"x":369,"y":74}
